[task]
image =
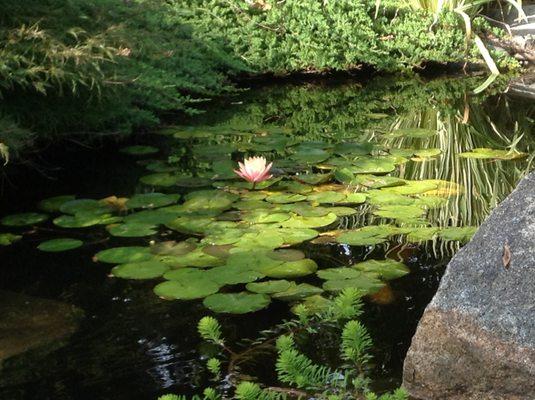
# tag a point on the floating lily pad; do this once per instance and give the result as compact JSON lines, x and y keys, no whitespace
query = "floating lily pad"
{"x":284,"y":198}
{"x":421,"y":234}
{"x":164,"y":179}
{"x":268,"y":287}
{"x":297,"y":221}
{"x":140,"y":270}
{"x":292,"y":269}
{"x":353,"y":149}
{"x":327,"y":197}
{"x":23,"y":219}
{"x":412,"y":187}
{"x":295,"y":187}
{"x":153,"y":217}
{"x":338,"y":273}
{"x":494,"y":154}
{"x":87,"y":206}
{"x":172,"y":248}
{"x":400,"y":213}
{"x":367,"y":236}
{"x":265,"y":217}
{"x":293,"y":236}
{"x":313,"y":305}
{"x":151,"y":200}
{"x":310,"y":155}
{"x":372,"y":165}
{"x":344,"y":175}
{"x":8,"y":238}
{"x":84,"y":220}
{"x":382,"y":198}
{"x":355,"y":198}
{"x":297,"y":292}
{"x":205,"y":200}
{"x":377,"y":182}
{"x":287,"y":255}
{"x":462,"y":234}
{"x":313,"y":179}
{"x":139,"y":150}
{"x":385,"y":269}
{"x":57,"y":245}
{"x":123,"y":255}
{"x":236,"y":303}
{"x":366,"y":283}
{"x":195,"y":258}
{"x":179,"y":290}
{"x":132,"y":229}
{"x":232,"y":275}
{"x":53,"y":204}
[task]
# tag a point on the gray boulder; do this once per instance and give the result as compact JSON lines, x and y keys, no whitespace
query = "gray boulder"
{"x":476,"y":339}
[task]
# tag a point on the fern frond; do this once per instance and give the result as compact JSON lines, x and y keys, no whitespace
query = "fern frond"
{"x":211,"y":394}
{"x":284,"y":343}
{"x":214,"y":366}
{"x":210,"y":330}
{"x":356,"y":343}
{"x":297,"y":369}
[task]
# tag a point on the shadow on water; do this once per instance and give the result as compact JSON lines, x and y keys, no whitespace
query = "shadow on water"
{"x":132,"y":345}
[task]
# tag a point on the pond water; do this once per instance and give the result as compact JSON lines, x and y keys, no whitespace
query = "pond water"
{"x":375,"y":186}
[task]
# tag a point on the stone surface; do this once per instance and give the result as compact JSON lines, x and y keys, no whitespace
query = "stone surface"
{"x":27,"y":323}
{"x":476,"y":339}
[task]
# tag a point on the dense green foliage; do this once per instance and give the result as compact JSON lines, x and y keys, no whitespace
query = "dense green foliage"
{"x":82,"y":67}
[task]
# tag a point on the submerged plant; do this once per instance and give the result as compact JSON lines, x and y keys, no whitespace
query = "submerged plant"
{"x":254,"y":169}
{"x":302,"y":377}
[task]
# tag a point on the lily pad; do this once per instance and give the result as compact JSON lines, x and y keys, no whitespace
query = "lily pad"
{"x":205,"y":200}
{"x":338,"y":273}
{"x":284,"y":198}
{"x":412,"y":187}
{"x":164,"y":179}
{"x":140,"y":270}
{"x":292,"y":269}
{"x":377,"y":182}
{"x":297,"y":292}
{"x":268,"y":287}
{"x":462,"y":234}
{"x":86,"y":206}
{"x":421,"y":234}
{"x":84,"y":220}
{"x":172,"y":248}
{"x":372,"y":165}
{"x":53,"y":204}
{"x":236,"y":303}
{"x":151,"y":200}
{"x":8,"y":238}
{"x":385,"y":269}
{"x":179,"y":290}
{"x":232,"y":275}
{"x":366,"y":283}
{"x":132,"y":229}
{"x":23,"y":219}
{"x":327,"y":197}
{"x":123,"y":255}
{"x":297,"y":221}
{"x":58,"y":245}
{"x":400,"y":213}
{"x":287,"y":255}
{"x":313,"y":179}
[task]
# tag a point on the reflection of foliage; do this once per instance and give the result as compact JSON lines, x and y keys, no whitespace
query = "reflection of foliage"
{"x":295,"y":368}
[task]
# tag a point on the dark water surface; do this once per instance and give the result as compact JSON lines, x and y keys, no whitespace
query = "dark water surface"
{"x":130,"y":344}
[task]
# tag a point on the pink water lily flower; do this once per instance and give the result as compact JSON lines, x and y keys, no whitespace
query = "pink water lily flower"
{"x":254,"y":169}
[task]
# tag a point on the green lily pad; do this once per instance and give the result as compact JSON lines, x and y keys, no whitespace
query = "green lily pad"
{"x":123,"y":255}
{"x":343,"y":211}
{"x":179,"y":290}
{"x":53,"y":204}
{"x":57,"y":245}
{"x":265,"y":217}
{"x":151,"y":200}
{"x":367,"y":236}
{"x":84,"y":206}
{"x":160,"y":166}
{"x":421,"y":234}
{"x":353,"y":149}
{"x":493,"y":154}
{"x":293,"y":236}
{"x":400,"y":213}
{"x":382,"y":198}
{"x":372,"y":165}
{"x":344,"y":175}
{"x":310,"y":155}
{"x":412,"y":187}
{"x":385,"y":269}
{"x":140,"y":270}
{"x":313,"y":305}
{"x":305,"y":209}
{"x":292,"y":269}
{"x":206,"y":200}
{"x":366,"y":283}
{"x":139,"y":150}
{"x":313,"y":179}
{"x":195,"y":258}
{"x":23,"y":219}
{"x":232,"y":275}
{"x":297,"y":292}
{"x":461,"y":234}
{"x":153,"y":217}
{"x":172,"y":248}
{"x":330,"y":274}
{"x":84,"y":220}
{"x":377,"y":182}
{"x":163,"y":179}
{"x":297,"y":221}
{"x":284,"y":198}
{"x":236,"y":303}
{"x":295,"y":187}
{"x":132,"y":229}
{"x":268,"y":239}
{"x":327,"y":197}
{"x":268,"y":287}
{"x":8,"y":238}
{"x":286,"y":255}
{"x":355,"y":198}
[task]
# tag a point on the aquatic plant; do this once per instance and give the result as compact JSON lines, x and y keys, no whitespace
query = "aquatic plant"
{"x":254,"y":170}
{"x":303,"y":377}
